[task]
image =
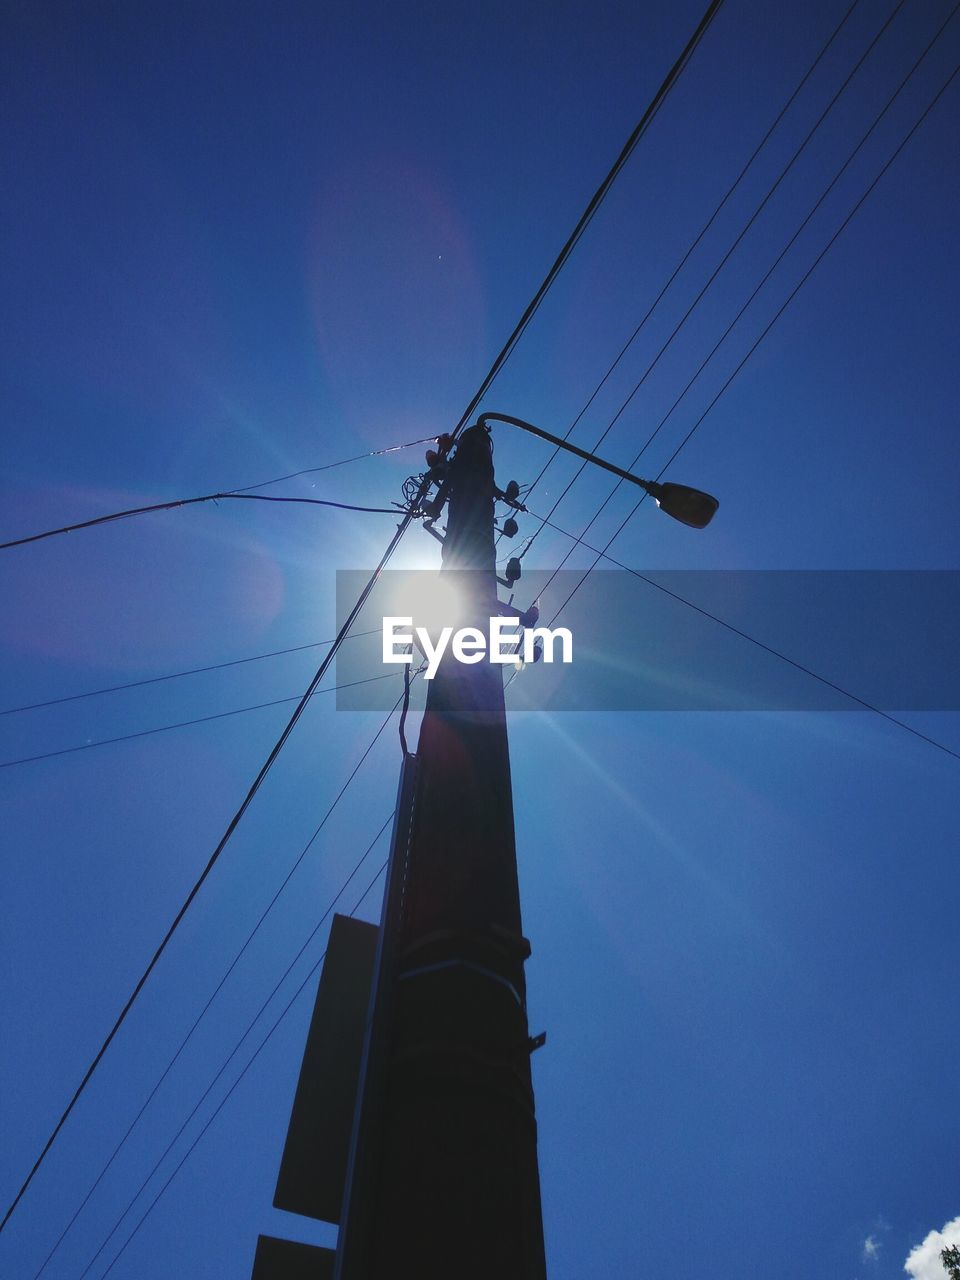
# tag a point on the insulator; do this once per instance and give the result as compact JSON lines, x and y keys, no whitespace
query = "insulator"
{"x":510,"y":528}
{"x":432,"y":457}
{"x":530,"y":617}
{"x":513,"y":570}
{"x":512,"y":491}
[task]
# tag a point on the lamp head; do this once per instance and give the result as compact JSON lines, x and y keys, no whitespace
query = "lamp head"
{"x":692,"y":507}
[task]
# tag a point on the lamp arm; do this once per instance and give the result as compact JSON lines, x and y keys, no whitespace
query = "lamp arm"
{"x":650,"y":486}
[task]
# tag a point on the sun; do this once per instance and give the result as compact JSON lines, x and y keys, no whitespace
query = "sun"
{"x":428,"y":596}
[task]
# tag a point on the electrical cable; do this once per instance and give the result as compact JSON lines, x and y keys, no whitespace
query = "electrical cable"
{"x":224,"y":840}
{"x":406,"y":708}
{"x":241,"y":492}
{"x":246,"y":1068}
{"x":187,"y":502}
{"x":187,"y":724}
{"x":942,"y":90}
{"x":310,"y":471}
{"x":176,"y":675}
{"x":206,"y":1093}
{"x":656,"y":431}
{"x":744,"y":635}
{"x":219,"y":987}
{"x":604,"y":552}
{"x":726,"y":257}
{"x":528,"y":489}
{"x":586,"y":217}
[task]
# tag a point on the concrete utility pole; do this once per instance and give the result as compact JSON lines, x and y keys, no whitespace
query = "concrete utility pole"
{"x":443,"y":1178}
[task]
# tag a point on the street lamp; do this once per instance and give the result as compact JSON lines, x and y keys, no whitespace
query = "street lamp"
{"x":691,"y":507}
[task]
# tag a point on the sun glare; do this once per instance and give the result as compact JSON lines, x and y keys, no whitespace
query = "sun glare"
{"x":429,"y":597}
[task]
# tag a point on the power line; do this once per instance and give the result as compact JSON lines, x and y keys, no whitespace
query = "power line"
{"x":656,"y":431}
{"x":177,"y":675}
{"x":187,"y":502}
{"x":224,"y":840}
{"x":726,"y":257}
{"x":683,"y":261}
{"x":604,"y":552}
{"x":206,"y":1093}
{"x":886,"y":107}
{"x":586,"y":217}
{"x":223,"y":980}
{"x":744,"y":635}
{"x":186,"y":724}
{"x":241,"y":492}
{"x":943,"y":88}
{"x":296,"y":995}
{"x":360,"y":457}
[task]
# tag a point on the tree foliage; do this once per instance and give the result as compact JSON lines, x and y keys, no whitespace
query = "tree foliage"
{"x":950,"y":1257}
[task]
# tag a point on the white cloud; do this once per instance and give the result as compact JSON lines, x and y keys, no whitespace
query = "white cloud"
{"x":923,"y":1262}
{"x":871,"y":1249}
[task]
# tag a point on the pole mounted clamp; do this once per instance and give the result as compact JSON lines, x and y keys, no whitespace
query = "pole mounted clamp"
{"x":536,"y":1042}
{"x":514,"y":942}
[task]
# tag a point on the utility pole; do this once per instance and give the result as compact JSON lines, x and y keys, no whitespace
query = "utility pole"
{"x":443,"y":1178}
{"x":439,"y":1177}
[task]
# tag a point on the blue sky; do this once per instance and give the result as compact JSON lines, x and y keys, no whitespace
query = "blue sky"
{"x":241,"y":241}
